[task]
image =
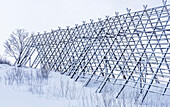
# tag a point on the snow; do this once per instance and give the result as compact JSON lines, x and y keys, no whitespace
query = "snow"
{"x":15,"y":96}
{"x":31,"y":90}
{"x":27,"y":87}
{"x":11,"y":98}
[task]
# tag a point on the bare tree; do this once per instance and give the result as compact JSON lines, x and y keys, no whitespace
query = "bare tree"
{"x":14,"y":46}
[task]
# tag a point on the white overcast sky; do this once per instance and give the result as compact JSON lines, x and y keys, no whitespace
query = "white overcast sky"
{"x":44,"y":15}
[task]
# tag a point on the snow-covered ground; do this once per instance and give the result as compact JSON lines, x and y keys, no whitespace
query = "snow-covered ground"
{"x":26,"y":87}
{"x":13,"y":98}
{"x":14,"y":94}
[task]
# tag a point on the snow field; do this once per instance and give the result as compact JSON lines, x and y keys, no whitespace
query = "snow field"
{"x":26,"y":87}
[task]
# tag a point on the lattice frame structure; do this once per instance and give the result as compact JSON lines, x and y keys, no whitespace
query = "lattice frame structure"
{"x":132,"y":48}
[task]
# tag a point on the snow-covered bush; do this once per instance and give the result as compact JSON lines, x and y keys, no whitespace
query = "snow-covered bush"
{"x":4,"y":61}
